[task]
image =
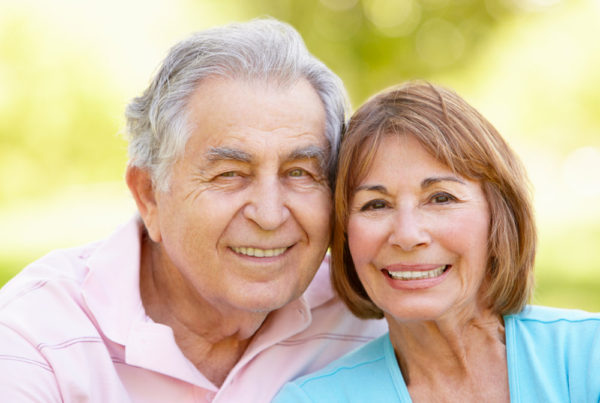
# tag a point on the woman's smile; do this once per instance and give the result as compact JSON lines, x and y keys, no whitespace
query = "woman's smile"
{"x":413,"y":273}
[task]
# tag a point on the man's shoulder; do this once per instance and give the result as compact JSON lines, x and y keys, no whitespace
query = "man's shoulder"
{"x":49,"y":342}
{"x":48,"y":294}
{"x":68,"y":268}
{"x":61,"y":266}
{"x":45,"y":296}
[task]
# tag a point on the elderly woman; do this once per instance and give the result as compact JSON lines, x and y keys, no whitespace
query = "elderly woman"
{"x":435,"y":232}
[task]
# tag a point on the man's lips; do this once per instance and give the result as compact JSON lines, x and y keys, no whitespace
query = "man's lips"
{"x":259,"y":252}
{"x":408,"y":273}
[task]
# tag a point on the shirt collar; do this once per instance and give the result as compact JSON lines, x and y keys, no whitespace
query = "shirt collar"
{"x":111,"y":288}
{"x":320,"y":291}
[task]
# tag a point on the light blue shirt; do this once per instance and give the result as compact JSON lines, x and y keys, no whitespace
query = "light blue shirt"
{"x":553,"y":355}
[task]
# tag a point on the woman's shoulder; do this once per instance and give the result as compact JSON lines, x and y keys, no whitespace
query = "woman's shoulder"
{"x":552,"y":325}
{"x":552,"y":354}
{"x":363,"y":358}
{"x":346,"y":378}
{"x":549,"y":315}
{"x":553,"y":340}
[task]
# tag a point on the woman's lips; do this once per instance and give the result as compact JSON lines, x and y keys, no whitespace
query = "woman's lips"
{"x":414,"y":273}
{"x":402,"y":277}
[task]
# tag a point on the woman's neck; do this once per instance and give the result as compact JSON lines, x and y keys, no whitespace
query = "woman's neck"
{"x":453,"y":359}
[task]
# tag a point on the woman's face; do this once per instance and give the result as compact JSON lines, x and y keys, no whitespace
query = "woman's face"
{"x":418,"y":234}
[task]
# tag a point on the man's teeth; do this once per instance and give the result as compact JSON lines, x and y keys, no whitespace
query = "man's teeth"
{"x":256,"y":252}
{"x":416,"y":275}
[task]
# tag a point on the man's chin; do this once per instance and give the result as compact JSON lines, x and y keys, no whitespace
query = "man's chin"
{"x":261,"y":303}
{"x":266,"y":307}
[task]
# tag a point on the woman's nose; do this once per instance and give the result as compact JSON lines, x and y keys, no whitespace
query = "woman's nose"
{"x":408,"y":229}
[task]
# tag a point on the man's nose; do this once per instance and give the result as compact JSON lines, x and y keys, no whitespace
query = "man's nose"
{"x":267,"y":205}
{"x":409,"y":229}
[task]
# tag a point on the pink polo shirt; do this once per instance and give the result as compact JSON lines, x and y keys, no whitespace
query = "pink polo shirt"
{"x":73,"y":329}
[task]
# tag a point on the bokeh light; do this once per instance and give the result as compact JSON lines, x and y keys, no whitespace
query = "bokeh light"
{"x":393,"y":17}
{"x":581,"y":172}
{"x":339,"y":4}
{"x":439,"y":43}
{"x":68,"y":68}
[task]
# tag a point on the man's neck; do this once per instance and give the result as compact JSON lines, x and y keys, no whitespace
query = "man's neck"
{"x":214,"y":359}
{"x":213,"y":340}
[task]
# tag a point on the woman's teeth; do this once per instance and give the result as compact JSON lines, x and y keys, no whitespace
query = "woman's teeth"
{"x":416,"y":275}
{"x":256,"y":252}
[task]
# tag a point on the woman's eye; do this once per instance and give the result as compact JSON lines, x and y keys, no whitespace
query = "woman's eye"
{"x":374,"y":205}
{"x":442,"y":198}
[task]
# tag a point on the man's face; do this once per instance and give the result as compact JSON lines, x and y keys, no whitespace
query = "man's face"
{"x":246,"y":221}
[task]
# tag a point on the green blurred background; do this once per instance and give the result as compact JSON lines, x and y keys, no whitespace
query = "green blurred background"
{"x":68,"y":68}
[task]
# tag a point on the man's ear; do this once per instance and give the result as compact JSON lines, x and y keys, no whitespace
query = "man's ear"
{"x":142,"y":190}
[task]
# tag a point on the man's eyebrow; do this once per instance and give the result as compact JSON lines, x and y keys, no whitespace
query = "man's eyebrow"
{"x":309,"y":152}
{"x":433,"y":180}
{"x":227,"y":153}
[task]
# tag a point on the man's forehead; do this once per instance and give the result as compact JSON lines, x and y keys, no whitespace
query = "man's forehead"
{"x":247,"y":122}
{"x":244,"y":94}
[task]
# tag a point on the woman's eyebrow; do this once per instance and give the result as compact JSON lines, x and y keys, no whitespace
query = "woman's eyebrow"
{"x":436,"y":179}
{"x":372,"y":188}
{"x":424,"y":184}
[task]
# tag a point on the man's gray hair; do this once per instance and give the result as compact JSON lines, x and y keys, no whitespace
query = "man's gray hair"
{"x":261,"y":49}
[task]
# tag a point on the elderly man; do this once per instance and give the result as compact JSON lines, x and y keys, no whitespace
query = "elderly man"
{"x":203,"y":296}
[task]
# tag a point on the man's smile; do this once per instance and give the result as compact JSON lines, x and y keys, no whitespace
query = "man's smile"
{"x":258,"y":252}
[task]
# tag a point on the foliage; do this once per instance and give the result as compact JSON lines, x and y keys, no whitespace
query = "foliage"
{"x":531,"y":66}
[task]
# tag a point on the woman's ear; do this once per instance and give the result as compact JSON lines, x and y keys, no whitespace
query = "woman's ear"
{"x":142,"y":189}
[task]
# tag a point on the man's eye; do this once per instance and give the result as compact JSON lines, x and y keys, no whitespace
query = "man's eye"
{"x":297,"y":172}
{"x":442,"y":198}
{"x":229,"y":174}
{"x":374,"y":205}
